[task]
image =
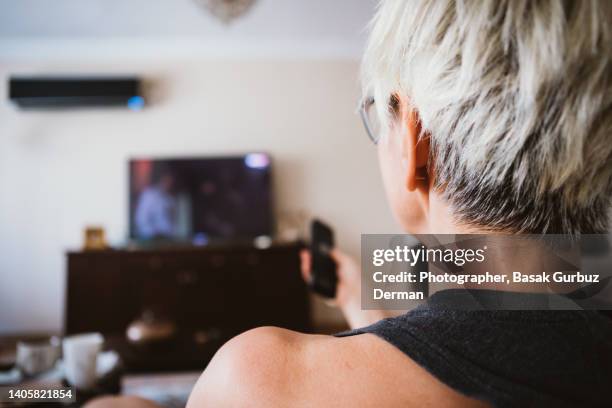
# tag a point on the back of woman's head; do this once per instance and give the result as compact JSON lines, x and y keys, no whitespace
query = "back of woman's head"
{"x":516,"y":98}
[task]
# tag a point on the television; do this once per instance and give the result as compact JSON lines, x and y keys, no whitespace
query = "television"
{"x":200,"y":200}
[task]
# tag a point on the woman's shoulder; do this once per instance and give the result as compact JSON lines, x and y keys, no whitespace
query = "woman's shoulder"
{"x":276,"y":367}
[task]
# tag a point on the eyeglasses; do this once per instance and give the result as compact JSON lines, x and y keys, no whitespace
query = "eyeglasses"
{"x":370,"y":119}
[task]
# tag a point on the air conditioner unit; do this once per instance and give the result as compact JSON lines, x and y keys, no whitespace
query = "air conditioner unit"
{"x":74,"y":92}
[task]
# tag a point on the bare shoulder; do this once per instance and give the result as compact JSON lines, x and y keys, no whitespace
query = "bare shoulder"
{"x":249,"y":370}
{"x":276,"y":367}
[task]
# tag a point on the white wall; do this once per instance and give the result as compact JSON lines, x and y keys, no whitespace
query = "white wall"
{"x":60,"y":171}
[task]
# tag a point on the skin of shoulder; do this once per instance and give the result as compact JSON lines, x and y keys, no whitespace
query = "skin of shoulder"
{"x":272,"y":367}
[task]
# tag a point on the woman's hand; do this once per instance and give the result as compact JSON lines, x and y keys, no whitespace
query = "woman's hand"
{"x":349,"y":281}
{"x":348,"y":291}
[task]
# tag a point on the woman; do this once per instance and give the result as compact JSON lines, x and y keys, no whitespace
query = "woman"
{"x":492,"y":116}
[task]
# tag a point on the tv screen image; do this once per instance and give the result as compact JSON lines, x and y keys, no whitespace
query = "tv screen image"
{"x":200,"y":199}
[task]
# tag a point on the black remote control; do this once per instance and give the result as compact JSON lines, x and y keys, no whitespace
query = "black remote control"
{"x":323,"y":270}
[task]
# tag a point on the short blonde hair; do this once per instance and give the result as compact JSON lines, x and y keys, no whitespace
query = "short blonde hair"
{"x":516,"y":96}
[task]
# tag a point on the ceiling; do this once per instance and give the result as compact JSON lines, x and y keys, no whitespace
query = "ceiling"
{"x":274,"y":28}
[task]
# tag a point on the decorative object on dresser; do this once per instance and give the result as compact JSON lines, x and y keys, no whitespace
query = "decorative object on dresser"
{"x":94,"y":238}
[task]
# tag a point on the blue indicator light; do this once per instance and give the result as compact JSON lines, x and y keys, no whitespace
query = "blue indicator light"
{"x":136,"y":103}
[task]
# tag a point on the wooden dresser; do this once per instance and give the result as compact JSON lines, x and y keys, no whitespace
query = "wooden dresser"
{"x":210,"y":293}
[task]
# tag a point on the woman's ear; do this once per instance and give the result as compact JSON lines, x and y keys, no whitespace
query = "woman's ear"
{"x":415,"y":150}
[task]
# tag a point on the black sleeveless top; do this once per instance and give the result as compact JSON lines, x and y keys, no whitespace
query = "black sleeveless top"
{"x":507,"y":358}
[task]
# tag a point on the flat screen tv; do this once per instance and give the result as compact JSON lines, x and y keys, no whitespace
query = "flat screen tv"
{"x":200,"y":200}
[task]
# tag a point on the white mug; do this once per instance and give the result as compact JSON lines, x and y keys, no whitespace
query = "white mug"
{"x":37,"y":356}
{"x":80,"y":359}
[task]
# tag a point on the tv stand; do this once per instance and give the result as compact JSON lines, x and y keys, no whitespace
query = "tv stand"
{"x":222,"y":290}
